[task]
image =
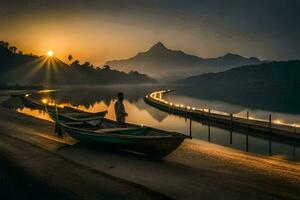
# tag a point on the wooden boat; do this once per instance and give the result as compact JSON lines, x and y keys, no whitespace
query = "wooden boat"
{"x":91,"y":118}
{"x":65,"y":114}
{"x":36,"y":104}
{"x":108,"y":133}
{"x":152,"y":142}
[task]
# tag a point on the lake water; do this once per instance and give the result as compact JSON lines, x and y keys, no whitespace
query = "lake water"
{"x":95,"y":99}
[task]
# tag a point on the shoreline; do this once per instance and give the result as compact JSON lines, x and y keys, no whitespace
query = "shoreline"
{"x":36,"y":160}
{"x":197,"y":169}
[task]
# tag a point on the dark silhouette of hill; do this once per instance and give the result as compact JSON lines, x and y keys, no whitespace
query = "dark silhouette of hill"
{"x":274,"y":86}
{"x":161,"y":62}
{"x":41,"y":70}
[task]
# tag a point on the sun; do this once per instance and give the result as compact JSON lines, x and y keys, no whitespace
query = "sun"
{"x":50,"y":53}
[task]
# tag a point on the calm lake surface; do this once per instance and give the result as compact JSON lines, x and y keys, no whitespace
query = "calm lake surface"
{"x":95,"y":99}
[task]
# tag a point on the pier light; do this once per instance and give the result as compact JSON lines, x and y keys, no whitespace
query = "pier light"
{"x":181,"y":105}
{"x":277,"y":121}
{"x":26,"y":95}
{"x":171,"y":104}
{"x":193,"y":108}
{"x":44,"y":100}
{"x":188,"y":107}
{"x":177,"y":105}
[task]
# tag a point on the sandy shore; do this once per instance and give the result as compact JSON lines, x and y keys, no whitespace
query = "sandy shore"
{"x":196,"y":170}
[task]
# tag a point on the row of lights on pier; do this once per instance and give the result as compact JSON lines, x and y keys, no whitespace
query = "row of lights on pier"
{"x":155,"y":94}
{"x":161,"y":92}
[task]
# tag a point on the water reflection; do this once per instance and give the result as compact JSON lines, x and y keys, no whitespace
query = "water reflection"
{"x":35,"y":113}
{"x":239,"y":111}
{"x":103,"y":98}
{"x":280,"y":101}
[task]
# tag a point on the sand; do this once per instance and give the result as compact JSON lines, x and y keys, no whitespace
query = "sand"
{"x":196,"y":170}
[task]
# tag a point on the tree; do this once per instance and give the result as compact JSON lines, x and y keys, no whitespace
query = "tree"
{"x":106,"y":67}
{"x":136,"y":73}
{"x":14,"y":49}
{"x":75,"y":63}
{"x":6,"y":44}
{"x":20,"y":52}
{"x":86,"y":64}
{"x":70,"y":58}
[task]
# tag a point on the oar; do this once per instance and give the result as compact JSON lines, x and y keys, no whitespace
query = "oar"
{"x":56,"y":112}
{"x":58,"y":128}
{"x":46,"y":108}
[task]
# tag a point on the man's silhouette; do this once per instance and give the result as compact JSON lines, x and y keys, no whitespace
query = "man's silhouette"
{"x":120,"y":110}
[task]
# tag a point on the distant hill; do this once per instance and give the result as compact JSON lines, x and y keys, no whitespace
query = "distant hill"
{"x":267,"y":74}
{"x":274,"y":85}
{"x":161,"y":62}
{"x":35,"y":70}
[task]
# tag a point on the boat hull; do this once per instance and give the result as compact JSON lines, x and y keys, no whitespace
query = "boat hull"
{"x":35,"y":104}
{"x":156,"y":144}
{"x":152,"y":142}
{"x":66,"y":114}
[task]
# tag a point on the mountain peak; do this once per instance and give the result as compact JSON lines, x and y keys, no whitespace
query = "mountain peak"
{"x":237,"y":56}
{"x":159,"y":46}
{"x":231,"y":55}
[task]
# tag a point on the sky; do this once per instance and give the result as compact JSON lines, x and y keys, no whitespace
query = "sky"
{"x":102,"y":30}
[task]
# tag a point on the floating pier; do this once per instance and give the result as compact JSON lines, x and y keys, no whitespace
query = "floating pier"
{"x":225,"y":120}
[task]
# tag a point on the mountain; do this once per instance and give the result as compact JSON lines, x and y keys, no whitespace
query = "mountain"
{"x":274,"y":86}
{"x":161,"y":62}
{"x":36,"y":70}
{"x":266,"y":74}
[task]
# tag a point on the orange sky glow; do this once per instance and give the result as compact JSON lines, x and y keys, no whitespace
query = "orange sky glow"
{"x":98,"y":31}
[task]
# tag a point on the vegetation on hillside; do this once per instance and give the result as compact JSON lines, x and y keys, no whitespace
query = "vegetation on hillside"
{"x":28,"y":69}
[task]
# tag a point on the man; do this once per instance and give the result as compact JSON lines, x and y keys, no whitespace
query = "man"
{"x":120,"y":109}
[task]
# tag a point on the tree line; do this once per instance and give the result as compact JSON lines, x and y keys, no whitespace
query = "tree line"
{"x":12,"y":49}
{"x":14,"y":66}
